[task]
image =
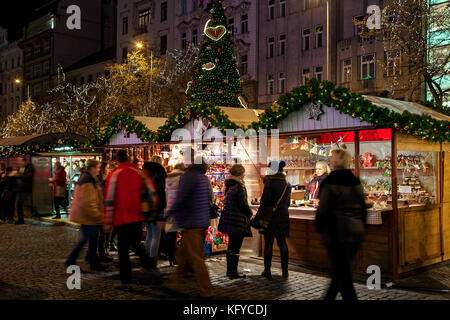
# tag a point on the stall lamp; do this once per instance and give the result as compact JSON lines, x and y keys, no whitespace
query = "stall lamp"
{"x":63,"y":149}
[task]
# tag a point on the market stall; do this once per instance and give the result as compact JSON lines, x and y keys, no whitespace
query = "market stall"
{"x":43,"y":151}
{"x":409,"y":224}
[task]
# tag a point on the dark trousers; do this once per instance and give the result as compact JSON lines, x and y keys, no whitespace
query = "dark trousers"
{"x":235,"y":244}
{"x":88,"y":234}
{"x":102,"y":244}
{"x":268,"y":247}
{"x":171,"y":244}
{"x":58,"y":202}
{"x":129,"y":236}
{"x":341,"y":255}
{"x":8,"y":209}
{"x":21,"y":199}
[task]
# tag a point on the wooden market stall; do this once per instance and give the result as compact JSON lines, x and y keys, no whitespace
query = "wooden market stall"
{"x":414,"y":230}
{"x":43,"y":150}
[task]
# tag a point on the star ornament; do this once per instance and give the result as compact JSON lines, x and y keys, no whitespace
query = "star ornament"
{"x":314,"y":111}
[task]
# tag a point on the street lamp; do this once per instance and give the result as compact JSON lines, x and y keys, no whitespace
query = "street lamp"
{"x":139,"y":45}
{"x":19,"y":81}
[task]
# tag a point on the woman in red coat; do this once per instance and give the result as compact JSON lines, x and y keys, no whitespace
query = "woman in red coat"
{"x":59,"y":188}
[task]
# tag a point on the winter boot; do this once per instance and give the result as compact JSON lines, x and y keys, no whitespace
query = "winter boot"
{"x":284,"y":265}
{"x":234,"y":261}
{"x":228,"y":263}
{"x":267,"y":262}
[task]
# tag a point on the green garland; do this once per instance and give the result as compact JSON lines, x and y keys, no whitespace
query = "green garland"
{"x":352,"y":104}
{"x":13,"y":151}
{"x":120,"y":122}
{"x":183,"y":115}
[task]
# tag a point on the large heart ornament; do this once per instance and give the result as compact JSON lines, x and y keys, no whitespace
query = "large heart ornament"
{"x":215,"y":33}
{"x":208,"y":66}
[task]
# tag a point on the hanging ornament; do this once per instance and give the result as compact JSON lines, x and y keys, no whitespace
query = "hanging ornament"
{"x":310,"y":92}
{"x":226,"y":81}
{"x":188,"y":86}
{"x":214,"y":33}
{"x":216,"y":60}
{"x":314,"y":110}
{"x":220,"y":92}
{"x":333,"y":96}
{"x":208,"y":66}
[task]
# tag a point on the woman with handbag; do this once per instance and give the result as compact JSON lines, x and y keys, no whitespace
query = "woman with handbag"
{"x":235,"y":218}
{"x":59,"y":188}
{"x":276,"y":196}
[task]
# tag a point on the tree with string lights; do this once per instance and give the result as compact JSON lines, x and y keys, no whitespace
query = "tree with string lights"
{"x":216,"y":77}
{"x":416,"y":40}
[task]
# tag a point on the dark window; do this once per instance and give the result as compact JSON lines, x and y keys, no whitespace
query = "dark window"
{"x":46,"y":67}
{"x":81,"y":80}
{"x":271,"y":7}
{"x":195,"y":36}
{"x":319,"y":37}
{"x":183,"y":41}
{"x":231,"y":25}
{"x":282,"y":8}
{"x":163,"y":44}
{"x":125,"y":25}
{"x":244,"y":23}
{"x":164,"y":11}
{"x":144,"y":18}
{"x":244,"y":64}
{"x":124,"y":54}
{"x":46,"y":47}
{"x":183,"y":6}
{"x":282,"y":45}
{"x":270,"y":47}
{"x":37,"y":51}
{"x":306,"y":36}
{"x":90,"y":78}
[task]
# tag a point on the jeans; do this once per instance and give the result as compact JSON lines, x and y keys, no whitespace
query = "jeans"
{"x":129,"y":235}
{"x":8,"y":207}
{"x":152,"y":239}
{"x":341,"y":255}
{"x":21,"y":198}
{"x":88,"y":234}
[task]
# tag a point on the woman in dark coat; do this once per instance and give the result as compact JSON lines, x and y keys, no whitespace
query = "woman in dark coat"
{"x":341,"y":219}
{"x":235,"y":218}
{"x":274,"y":185}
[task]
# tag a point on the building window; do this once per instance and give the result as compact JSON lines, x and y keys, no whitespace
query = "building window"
{"x":163,"y":44}
{"x":271,"y":9}
{"x":90,"y":78}
{"x":270,"y":82}
{"x":46,"y":47}
{"x":318,"y":73}
{"x":46,"y":85}
{"x":282,"y":8}
{"x":81,"y":80}
{"x":46,"y":67}
{"x":282,"y":45}
{"x":347,"y":70}
{"x":37,"y":89}
{"x":393,"y":63}
{"x":125,"y":25}
{"x":231,"y":25}
{"x":28,"y":73}
{"x":305,"y":76}
{"x":183,"y":6}
{"x":244,"y":64}
{"x":27,"y":54}
{"x":306,"y":37}
{"x":124,"y":55}
{"x":18,"y":61}
{"x":319,"y":36}
{"x":194,"y":5}
{"x":37,"y":51}
{"x":368,"y":66}
{"x":12,"y":63}
{"x":356,"y":28}
{"x":183,"y":41}
{"x":37,"y":70}
{"x":244,"y":23}
{"x":164,"y":11}
{"x":281,"y":83}
{"x":195,"y":36}
{"x":144,"y":18}
{"x":270,"y":47}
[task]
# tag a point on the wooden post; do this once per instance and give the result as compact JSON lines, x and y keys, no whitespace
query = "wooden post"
{"x":357,"y":151}
{"x":395,"y":213}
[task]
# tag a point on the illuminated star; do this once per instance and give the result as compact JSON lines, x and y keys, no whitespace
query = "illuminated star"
{"x":314,"y":110}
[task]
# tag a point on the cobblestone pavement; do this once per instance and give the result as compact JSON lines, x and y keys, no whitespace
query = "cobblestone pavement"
{"x":32,"y":267}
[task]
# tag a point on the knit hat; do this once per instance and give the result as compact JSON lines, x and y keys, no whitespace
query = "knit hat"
{"x":237,"y":170}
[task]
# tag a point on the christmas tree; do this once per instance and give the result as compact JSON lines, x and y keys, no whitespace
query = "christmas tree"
{"x":216,"y":76}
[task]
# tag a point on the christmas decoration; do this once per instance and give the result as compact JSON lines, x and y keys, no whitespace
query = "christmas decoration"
{"x":218,"y":53}
{"x":314,"y":111}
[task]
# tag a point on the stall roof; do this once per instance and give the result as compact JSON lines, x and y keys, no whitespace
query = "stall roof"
{"x":399,"y":106}
{"x":152,"y":123}
{"x":240,"y":116}
{"x":39,"y":138}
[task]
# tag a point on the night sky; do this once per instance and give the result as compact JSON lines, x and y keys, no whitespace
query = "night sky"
{"x":17,"y":13}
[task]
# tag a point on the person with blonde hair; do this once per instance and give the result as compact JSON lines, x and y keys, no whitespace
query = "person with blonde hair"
{"x":340,"y":219}
{"x":312,"y":191}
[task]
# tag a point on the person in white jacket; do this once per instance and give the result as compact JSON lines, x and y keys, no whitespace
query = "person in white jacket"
{"x":172,"y":182}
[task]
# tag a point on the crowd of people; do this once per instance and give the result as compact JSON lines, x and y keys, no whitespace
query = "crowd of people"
{"x":120,"y":199}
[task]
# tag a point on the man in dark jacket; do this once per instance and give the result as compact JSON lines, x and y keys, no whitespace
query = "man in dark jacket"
{"x":274,"y":186}
{"x":340,"y":219}
{"x":24,"y":187}
{"x":158,"y":175}
{"x":192,"y":214}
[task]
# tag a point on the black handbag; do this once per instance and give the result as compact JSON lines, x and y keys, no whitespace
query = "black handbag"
{"x":264,"y":214}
